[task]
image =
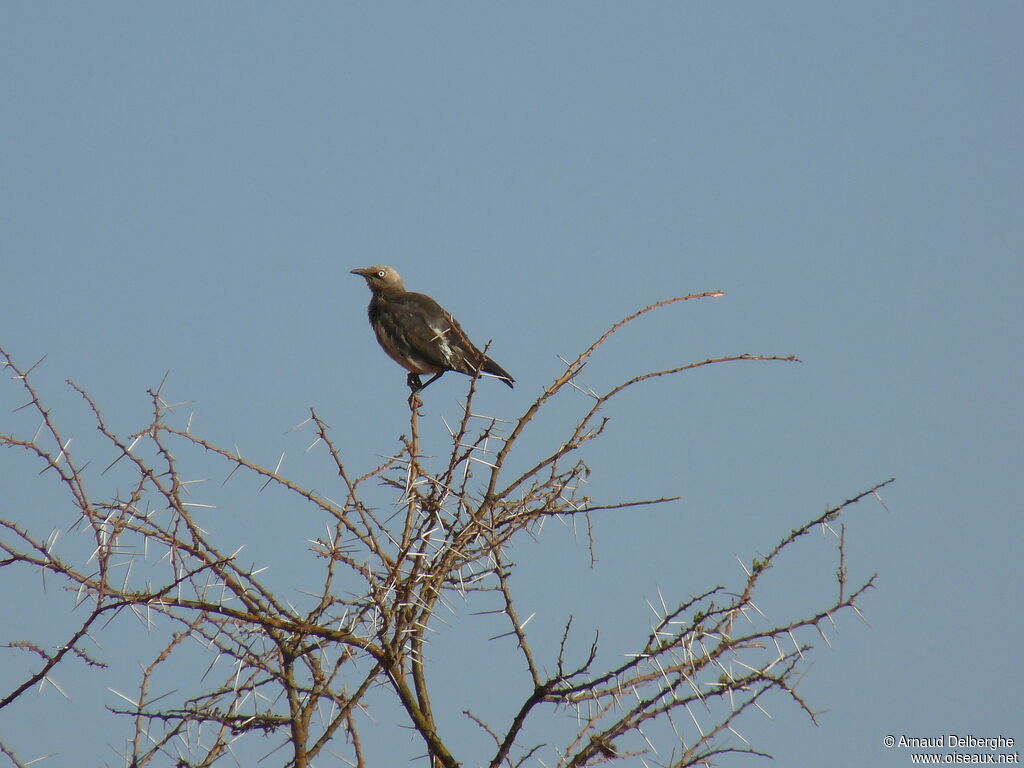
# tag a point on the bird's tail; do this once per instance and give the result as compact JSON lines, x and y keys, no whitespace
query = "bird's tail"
{"x":494,"y":369}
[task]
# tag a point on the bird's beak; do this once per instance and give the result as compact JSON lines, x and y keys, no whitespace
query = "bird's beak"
{"x":362,"y":272}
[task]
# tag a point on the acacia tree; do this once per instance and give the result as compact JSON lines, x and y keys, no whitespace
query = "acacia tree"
{"x":310,"y":676}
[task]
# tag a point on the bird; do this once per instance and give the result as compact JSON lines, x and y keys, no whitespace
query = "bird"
{"x":418,"y":334}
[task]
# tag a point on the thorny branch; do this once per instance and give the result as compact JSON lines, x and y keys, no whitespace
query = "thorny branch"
{"x":303,"y":673}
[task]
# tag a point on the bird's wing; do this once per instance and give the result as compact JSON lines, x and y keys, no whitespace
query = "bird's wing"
{"x":431,"y":332}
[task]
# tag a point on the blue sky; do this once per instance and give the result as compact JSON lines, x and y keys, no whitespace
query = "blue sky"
{"x":186,"y":186}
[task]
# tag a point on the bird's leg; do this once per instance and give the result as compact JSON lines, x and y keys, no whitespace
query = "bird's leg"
{"x":413,"y":380}
{"x":432,"y":379}
{"x":417,"y":386}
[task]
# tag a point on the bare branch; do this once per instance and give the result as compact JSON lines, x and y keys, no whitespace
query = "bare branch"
{"x":301,"y":662}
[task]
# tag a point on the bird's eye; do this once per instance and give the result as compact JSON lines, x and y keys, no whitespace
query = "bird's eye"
{"x":381,"y":273}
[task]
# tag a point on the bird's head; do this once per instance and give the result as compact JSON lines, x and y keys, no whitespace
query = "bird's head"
{"x":381,"y":278}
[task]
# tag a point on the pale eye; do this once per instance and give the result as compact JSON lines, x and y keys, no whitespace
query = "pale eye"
{"x":381,"y":273}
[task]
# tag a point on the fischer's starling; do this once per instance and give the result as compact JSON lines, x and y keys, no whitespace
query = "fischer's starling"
{"x":418,"y":334}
